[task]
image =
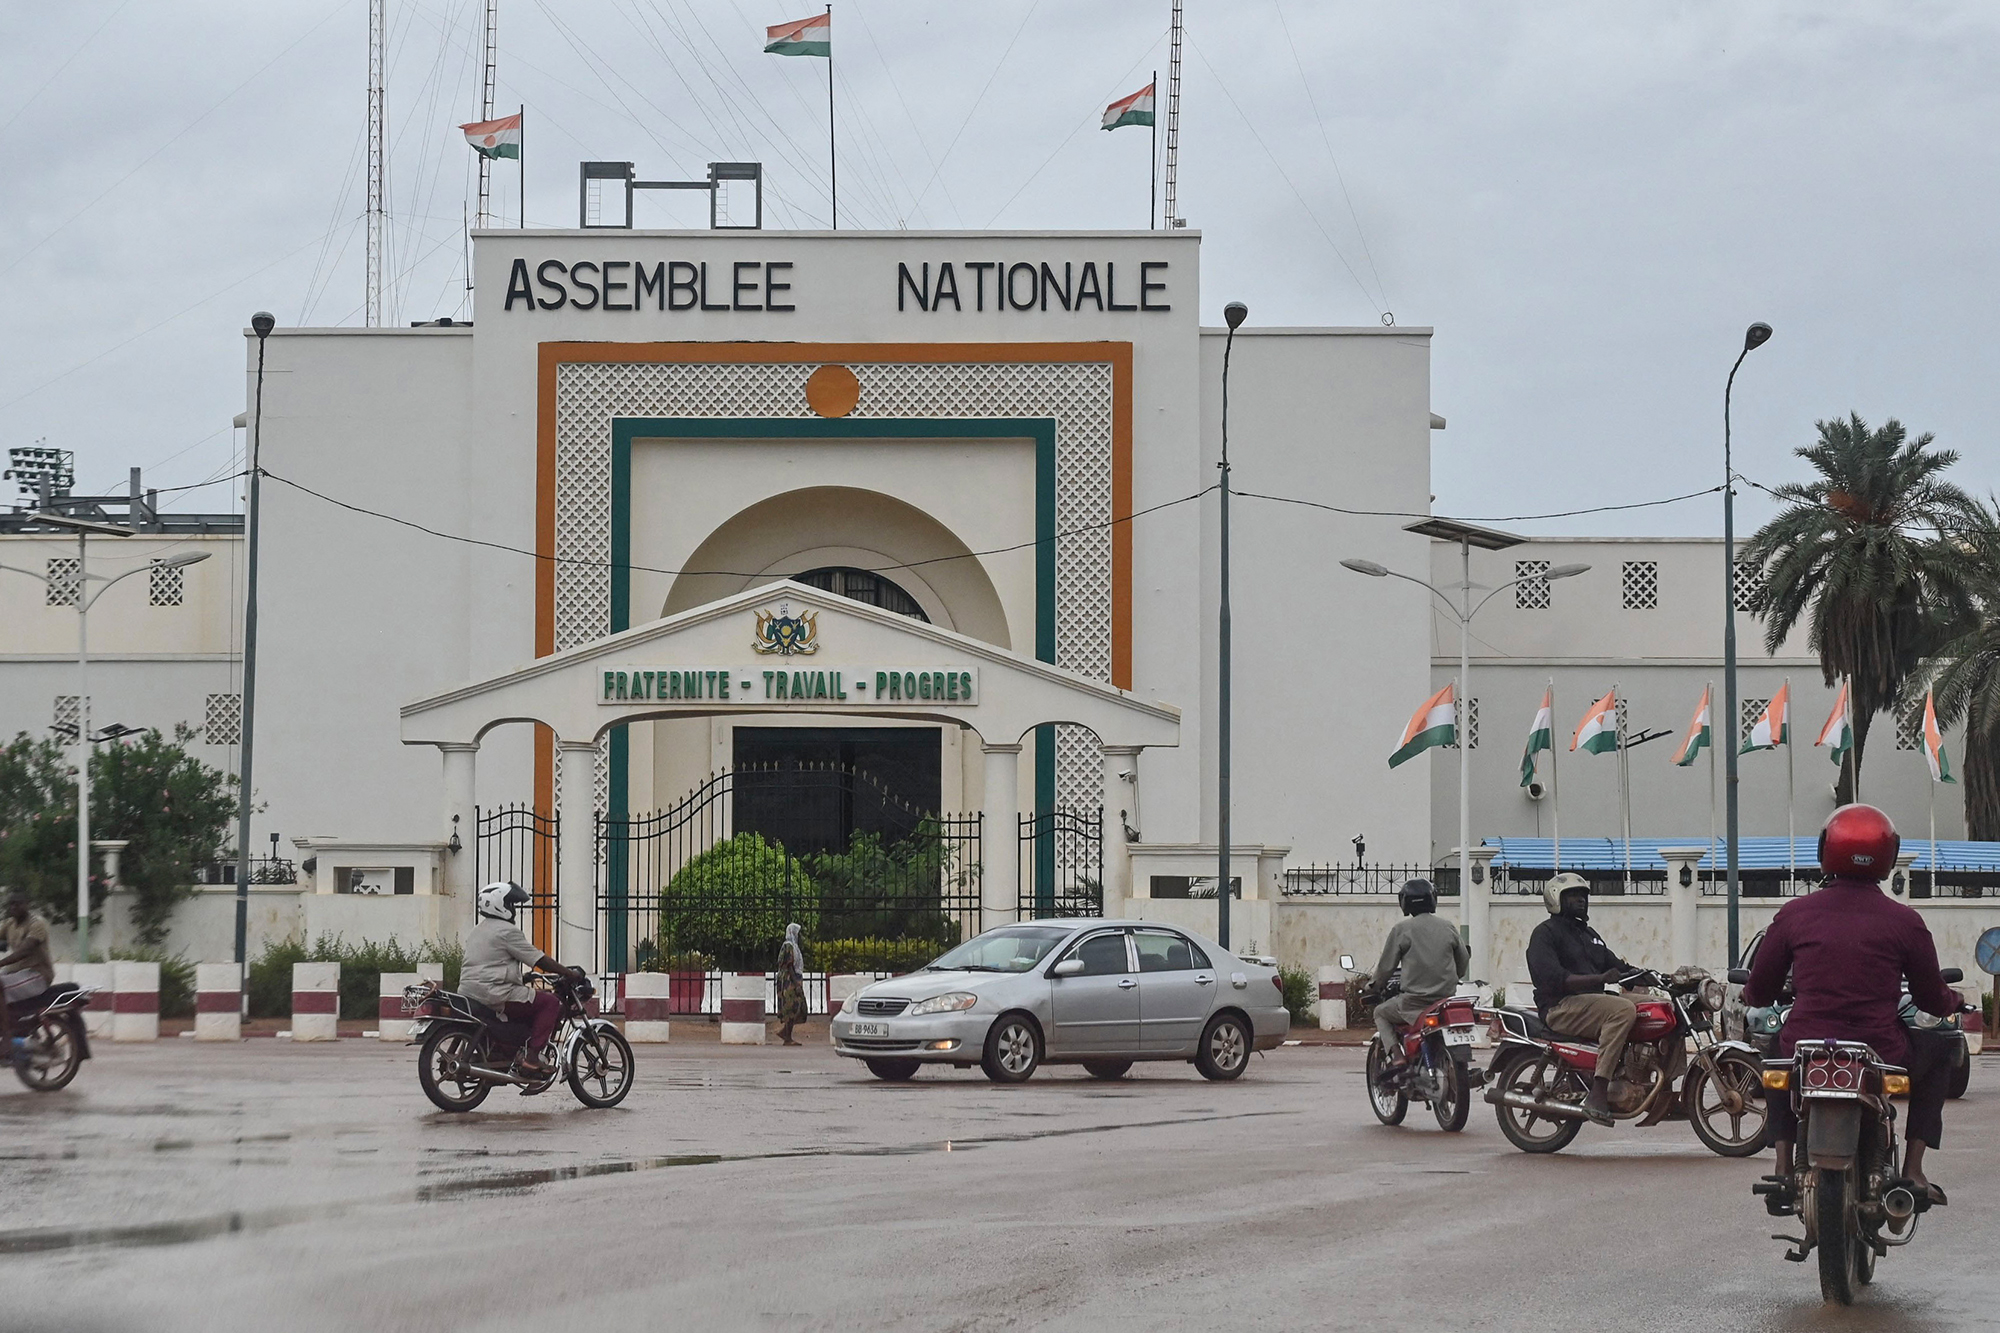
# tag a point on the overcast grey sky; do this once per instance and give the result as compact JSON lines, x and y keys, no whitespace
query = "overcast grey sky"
{"x":1587,"y":202}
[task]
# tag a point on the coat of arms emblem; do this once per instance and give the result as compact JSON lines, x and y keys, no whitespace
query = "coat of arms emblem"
{"x":785,"y":634}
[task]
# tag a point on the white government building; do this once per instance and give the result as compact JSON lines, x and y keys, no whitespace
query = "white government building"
{"x":810,"y":533}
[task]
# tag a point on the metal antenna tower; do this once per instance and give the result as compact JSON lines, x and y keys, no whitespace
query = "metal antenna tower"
{"x":377,"y":143}
{"x":1174,"y":123}
{"x":492,"y":21}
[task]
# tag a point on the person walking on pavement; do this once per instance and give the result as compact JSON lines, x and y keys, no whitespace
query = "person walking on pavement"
{"x":1433,"y":958}
{"x":1570,"y":965}
{"x":791,"y":985}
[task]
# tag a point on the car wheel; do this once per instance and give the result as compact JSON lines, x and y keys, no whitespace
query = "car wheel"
{"x":1013,"y":1049}
{"x":1106,"y":1068}
{"x":894,"y":1071}
{"x":1224,"y":1052}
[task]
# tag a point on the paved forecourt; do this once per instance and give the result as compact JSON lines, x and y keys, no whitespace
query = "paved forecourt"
{"x":199,"y":1186}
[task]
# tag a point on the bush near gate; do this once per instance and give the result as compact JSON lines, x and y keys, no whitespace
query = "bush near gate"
{"x":650,"y":959}
{"x":1301,"y":993}
{"x":176,"y":977}
{"x":895,"y":956}
{"x":734,"y":900}
{"x":361,"y":969}
{"x":875,"y":890}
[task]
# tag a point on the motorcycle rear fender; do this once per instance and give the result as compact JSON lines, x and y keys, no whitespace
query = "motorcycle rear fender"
{"x":81,"y":1033}
{"x":1833,"y":1133}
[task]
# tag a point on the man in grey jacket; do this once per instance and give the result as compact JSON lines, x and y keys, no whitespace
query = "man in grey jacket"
{"x":1433,"y":959}
{"x":497,"y":957}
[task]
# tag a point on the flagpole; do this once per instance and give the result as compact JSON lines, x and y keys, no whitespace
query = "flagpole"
{"x":1624,"y":784}
{"x":832,"y":158}
{"x":1555,"y":788}
{"x":1153,"y":190}
{"x":1791,"y":828}
{"x":1708,"y":698}
{"x":1932,"y":785}
{"x":521,"y":168}
{"x":1854,"y":766}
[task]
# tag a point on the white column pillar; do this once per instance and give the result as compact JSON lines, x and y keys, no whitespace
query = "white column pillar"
{"x":459,"y":805}
{"x":576,"y":900}
{"x":1120,"y":799}
{"x":1476,"y":899}
{"x":999,"y":840}
{"x":1684,"y":901}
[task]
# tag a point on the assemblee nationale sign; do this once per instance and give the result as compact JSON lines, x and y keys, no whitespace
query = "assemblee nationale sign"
{"x":761,"y":685}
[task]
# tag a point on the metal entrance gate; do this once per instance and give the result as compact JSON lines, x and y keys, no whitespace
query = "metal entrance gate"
{"x":1061,"y":866}
{"x":712,"y":880}
{"x":519,"y":843}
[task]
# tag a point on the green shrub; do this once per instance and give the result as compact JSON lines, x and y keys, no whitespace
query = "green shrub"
{"x":647,"y":958}
{"x":176,"y":978}
{"x":361,"y":969}
{"x":892,"y":891}
{"x":734,"y":900}
{"x":271,"y":978}
{"x":1301,"y":993}
{"x":871,"y":955}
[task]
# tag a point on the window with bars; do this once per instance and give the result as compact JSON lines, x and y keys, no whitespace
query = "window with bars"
{"x":1471,"y":725}
{"x":1749,"y":711}
{"x":1639,"y":583}
{"x":165,"y":585}
{"x":64,"y":718}
{"x":1910,"y":730}
{"x":1532,"y":592}
{"x":223,"y":719}
{"x":62,"y":580}
{"x":1749,"y":584}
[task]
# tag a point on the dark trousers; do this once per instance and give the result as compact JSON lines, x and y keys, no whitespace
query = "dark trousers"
{"x":1929,"y":1063}
{"x":540,"y":1014}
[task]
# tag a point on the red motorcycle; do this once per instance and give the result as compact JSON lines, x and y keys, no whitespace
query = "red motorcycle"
{"x":1437,"y":1066}
{"x":1539,"y":1080}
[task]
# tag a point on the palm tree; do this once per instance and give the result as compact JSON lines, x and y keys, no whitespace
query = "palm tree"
{"x":1965,"y":674}
{"x":1858,"y":553}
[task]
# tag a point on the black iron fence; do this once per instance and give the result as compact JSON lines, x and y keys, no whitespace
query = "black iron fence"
{"x":263,"y":870}
{"x":1060,"y":871}
{"x":524,"y":845}
{"x":1356,"y":879}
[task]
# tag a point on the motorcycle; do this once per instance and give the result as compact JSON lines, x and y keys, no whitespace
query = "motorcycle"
{"x":1437,"y":1064}
{"x":1538,"y":1080}
{"x":467,"y":1049}
{"x":1852,"y":1200}
{"x":54,"y":1044}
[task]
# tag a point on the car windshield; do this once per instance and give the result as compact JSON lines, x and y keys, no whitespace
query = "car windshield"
{"x":1009,"y":949}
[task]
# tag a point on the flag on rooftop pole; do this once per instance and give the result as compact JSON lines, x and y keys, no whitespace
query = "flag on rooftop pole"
{"x":1837,"y":732}
{"x":805,"y":37}
{"x":1541,"y":735}
{"x":495,"y":138}
{"x":1134,"y":110}
{"x":1775,"y":727}
{"x":1434,"y":723}
{"x":1934,"y":754}
{"x":1598,"y":732}
{"x":1698,"y":736}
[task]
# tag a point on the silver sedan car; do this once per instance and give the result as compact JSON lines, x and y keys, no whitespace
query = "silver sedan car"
{"x":1097,"y":993}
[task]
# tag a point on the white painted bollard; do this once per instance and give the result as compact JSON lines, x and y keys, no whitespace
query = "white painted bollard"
{"x":97,"y":1016}
{"x":391,"y":1023}
{"x":648,"y":1002}
{"x":315,"y":1001}
{"x":218,"y":1002}
{"x":743,"y":1008}
{"x":135,"y":1001}
{"x":1332,"y":997}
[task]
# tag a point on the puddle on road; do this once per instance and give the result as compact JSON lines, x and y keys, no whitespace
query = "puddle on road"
{"x":183,"y":1231}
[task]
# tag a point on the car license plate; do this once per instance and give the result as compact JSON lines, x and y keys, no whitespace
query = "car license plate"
{"x":867,"y":1029}
{"x":1458,"y":1036}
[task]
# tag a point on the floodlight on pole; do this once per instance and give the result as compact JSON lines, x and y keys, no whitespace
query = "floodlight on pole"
{"x":1233,"y":315}
{"x":1753,"y":337}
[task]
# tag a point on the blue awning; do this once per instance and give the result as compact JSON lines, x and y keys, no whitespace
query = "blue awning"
{"x":1752,"y":853}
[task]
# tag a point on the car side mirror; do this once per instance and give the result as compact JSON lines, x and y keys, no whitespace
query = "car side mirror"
{"x":1739,"y":976}
{"x":1952,"y":975}
{"x":1347,"y":961}
{"x":1068,"y":967}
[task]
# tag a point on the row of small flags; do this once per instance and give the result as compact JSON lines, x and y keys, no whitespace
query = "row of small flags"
{"x":1436,"y":723}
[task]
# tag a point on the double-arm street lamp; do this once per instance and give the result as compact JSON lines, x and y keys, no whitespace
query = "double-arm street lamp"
{"x":1753,"y":337}
{"x":85,"y":599}
{"x":1467,"y":536}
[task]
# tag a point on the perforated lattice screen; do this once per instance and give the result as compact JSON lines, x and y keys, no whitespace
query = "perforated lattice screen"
{"x":1749,"y":584}
{"x":1749,"y":710}
{"x":1471,"y":724}
{"x":64,"y":718}
{"x":1639,"y":584}
{"x":222,"y":719}
{"x":165,"y":586}
{"x":62,"y":580}
{"x":1910,"y":730}
{"x":1532,"y":592}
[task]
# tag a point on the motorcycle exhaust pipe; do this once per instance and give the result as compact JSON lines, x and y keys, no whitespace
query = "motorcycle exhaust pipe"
{"x":1899,"y":1205}
{"x":1499,"y":1096}
{"x":497,"y":1075}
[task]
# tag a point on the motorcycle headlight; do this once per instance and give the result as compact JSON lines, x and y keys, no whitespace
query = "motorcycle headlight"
{"x":1713,"y":995}
{"x":948,"y":1003}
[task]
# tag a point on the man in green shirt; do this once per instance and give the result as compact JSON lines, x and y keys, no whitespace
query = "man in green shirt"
{"x":26,"y":970}
{"x":1433,"y":959}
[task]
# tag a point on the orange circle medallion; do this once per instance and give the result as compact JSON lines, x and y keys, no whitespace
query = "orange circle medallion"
{"x":832,"y":391}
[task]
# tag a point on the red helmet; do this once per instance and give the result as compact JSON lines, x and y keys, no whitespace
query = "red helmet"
{"x":1859,"y":842}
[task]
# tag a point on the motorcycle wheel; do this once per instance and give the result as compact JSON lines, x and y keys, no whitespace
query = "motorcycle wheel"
{"x":600,"y":1068}
{"x":1705,"y":1099}
{"x":1534,"y":1076}
{"x":443,"y":1068}
{"x":1454,"y":1099}
{"x":1838,"y":1237}
{"x":54,"y":1055}
{"x":1961,"y":1078}
{"x":1390,"y":1105}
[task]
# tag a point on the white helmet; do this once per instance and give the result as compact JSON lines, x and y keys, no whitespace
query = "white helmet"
{"x":499,"y":899}
{"x":1553,"y":891}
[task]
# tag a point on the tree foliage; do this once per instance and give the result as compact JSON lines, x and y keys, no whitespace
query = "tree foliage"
{"x":1859,"y":555}
{"x":1965,"y":674}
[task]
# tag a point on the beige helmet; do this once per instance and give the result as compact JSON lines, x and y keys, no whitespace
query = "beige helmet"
{"x":1553,"y":891}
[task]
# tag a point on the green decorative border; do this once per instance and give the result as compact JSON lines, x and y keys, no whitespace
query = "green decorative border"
{"x":624,"y":430}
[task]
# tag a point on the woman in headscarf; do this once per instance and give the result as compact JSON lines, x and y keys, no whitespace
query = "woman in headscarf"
{"x":791,"y":984}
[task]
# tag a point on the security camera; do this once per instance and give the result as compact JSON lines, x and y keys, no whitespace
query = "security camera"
{"x":1127,"y":775}
{"x":1536,"y":791}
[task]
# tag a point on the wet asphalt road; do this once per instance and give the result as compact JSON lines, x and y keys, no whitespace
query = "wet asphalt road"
{"x":304,"y":1188}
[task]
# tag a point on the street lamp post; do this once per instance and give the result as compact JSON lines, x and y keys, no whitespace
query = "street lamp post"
{"x":1467,"y":536}
{"x":1754,"y":337}
{"x":1233,"y":314}
{"x":85,"y":599}
{"x":261,"y":324}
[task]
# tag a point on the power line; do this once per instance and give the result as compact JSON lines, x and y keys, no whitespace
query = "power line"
{"x":1326,"y":141}
{"x":1504,"y":518}
{"x":946,"y":155}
